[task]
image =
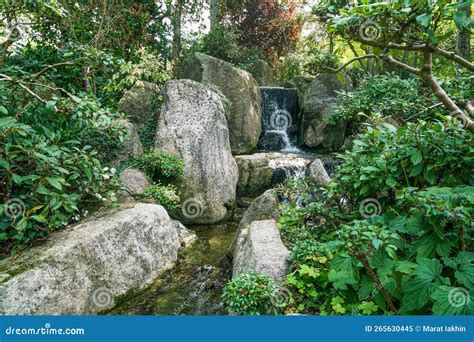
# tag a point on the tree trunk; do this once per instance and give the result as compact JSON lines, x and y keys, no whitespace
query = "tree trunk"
{"x":214,"y":11}
{"x":176,"y":44}
{"x":464,"y":38}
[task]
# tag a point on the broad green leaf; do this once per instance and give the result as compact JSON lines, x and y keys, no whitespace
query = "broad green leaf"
{"x":416,"y":157}
{"x":452,"y":301}
{"x":417,"y":290}
{"x":424,"y":19}
{"x":55,"y":182}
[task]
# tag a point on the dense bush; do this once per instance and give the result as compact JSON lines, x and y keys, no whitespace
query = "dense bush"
{"x":161,"y":166}
{"x":226,"y":43}
{"x":165,"y":195}
{"x":394,"y":233}
{"x":46,"y":181}
{"x":402,"y":99}
{"x":252,"y":294}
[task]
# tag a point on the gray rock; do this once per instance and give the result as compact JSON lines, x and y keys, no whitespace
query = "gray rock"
{"x":318,"y":102}
{"x":261,"y":171}
{"x":83,"y":268}
{"x":192,"y":126}
{"x":134,"y":184}
{"x":263,"y":74}
{"x":264,"y":207}
{"x":186,"y":236}
{"x":318,"y":174}
{"x":241,"y":90}
{"x":140,"y":102}
{"x":132,"y":145}
{"x":259,"y":248}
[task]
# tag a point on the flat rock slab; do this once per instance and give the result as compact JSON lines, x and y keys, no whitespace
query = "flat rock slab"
{"x":262,"y":171}
{"x":83,"y":268}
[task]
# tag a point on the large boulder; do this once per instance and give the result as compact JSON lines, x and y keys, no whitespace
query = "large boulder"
{"x":318,"y":174}
{"x":263,"y":74}
{"x":262,"y":171}
{"x":134,"y":183}
{"x":264,"y":207}
{"x":83,"y":268}
{"x":242,"y":92}
{"x":318,"y":101}
{"x":132,"y":146}
{"x":140,"y":102}
{"x":192,"y":125}
{"x":259,"y":248}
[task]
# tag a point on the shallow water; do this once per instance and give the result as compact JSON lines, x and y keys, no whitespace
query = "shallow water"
{"x":194,"y":285}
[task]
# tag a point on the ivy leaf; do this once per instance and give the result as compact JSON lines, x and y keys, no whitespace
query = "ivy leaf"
{"x":424,"y":19}
{"x":417,"y":290}
{"x":406,"y":267}
{"x":464,"y":266}
{"x":452,"y":301}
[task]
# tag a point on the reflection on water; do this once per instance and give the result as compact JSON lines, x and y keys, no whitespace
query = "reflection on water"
{"x":194,"y":286}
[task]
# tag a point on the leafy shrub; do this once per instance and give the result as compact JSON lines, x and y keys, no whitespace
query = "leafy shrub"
{"x":225,"y":43}
{"x":402,"y":99}
{"x":385,"y":95}
{"x":145,"y":66}
{"x":385,"y":159}
{"x":45,"y":181}
{"x":167,"y":196}
{"x":250,"y":294}
{"x":160,"y":166}
{"x":394,"y":233}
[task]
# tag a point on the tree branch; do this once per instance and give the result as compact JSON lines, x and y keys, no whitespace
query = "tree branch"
{"x":358,"y":58}
{"x":402,"y":65}
{"x":52,"y":66}
{"x":453,"y":57}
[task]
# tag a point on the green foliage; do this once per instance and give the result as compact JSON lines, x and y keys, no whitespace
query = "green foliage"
{"x":167,"y":196}
{"x":396,"y":223}
{"x":384,"y":160}
{"x":225,"y":43}
{"x":50,"y":180}
{"x":161,"y":166}
{"x":251,"y":294}
{"x":401,"y":99}
{"x":145,"y":66}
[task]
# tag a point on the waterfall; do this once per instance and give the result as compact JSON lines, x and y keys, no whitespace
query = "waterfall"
{"x":280,"y":110}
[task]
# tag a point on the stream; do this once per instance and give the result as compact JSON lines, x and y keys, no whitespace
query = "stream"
{"x":194,"y":285}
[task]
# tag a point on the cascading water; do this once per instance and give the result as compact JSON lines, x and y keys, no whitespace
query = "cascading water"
{"x":280,"y":109}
